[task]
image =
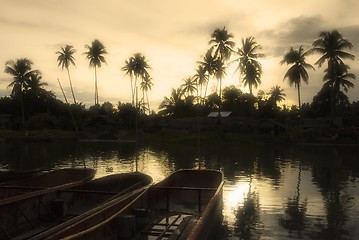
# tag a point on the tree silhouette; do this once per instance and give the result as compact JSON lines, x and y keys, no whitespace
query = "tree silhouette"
{"x":189,"y":86}
{"x":21,"y":72}
{"x":129,"y":68}
{"x":146,"y":85}
{"x":209,"y":65}
{"x":248,"y":65}
{"x":276,"y":94}
{"x":297,"y":72}
{"x":331,"y":46}
{"x":95,"y":54}
{"x":220,"y":38}
{"x":65,"y":59}
{"x":201,"y":79}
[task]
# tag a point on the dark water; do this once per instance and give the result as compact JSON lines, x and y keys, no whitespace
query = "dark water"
{"x":271,"y":192}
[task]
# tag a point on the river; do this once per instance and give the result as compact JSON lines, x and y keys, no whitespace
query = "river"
{"x":270,"y":192}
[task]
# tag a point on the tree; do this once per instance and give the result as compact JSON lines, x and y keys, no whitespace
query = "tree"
{"x":276,"y":94}
{"x":138,"y":65}
{"x":129,"y":68}
{"x":297,"y":72}
{"x":219,"y":73}
{"x":222,"y":44}
{"x":96,"y":57}
{"x":35,"y":86}
{"x":248,"y":65}
{"x":65,"y":59}
{"x":331,"y":46}
{"x":146,"y":85}
{"x":189,"y":86}
{"x":208,"y":64}
{"x":172,"y":105}
{"x":200,"y":78}
{"x":21,"y":72}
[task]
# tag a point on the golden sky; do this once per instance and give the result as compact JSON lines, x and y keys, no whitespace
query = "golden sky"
{"x":173,"y":35}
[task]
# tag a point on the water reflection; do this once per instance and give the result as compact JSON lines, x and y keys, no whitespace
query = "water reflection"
{"x":270,"y":192}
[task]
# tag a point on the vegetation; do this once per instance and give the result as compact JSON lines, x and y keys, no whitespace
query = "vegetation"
{"x":31,"y":107}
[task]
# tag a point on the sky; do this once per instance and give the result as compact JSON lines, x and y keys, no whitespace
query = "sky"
{"x":173,"y":35}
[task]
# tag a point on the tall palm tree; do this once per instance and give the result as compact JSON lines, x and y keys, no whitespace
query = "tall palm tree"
{"x":95,"y":54}
{"x":65,"y":59}
{"x":332,"y":46}
{"x":200,"y":78}
{"x":248,"y":56}
{"x":146,"y":85}
{"x":208,"y":64}
{"x":169,"y":105}
{"x":277,"y":94}
{"x":222,"y":44}
{"x":140,"y":68}
{"x":252,"y":76}
{"x":297,"y":72}
{"x":129,"y":70}
{"x":219,"y":73}
{"x":21,"y":72}
{"x":189,"y":85}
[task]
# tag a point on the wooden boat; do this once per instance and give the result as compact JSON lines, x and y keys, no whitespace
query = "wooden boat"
{"x":62,"y":205}
{"x":8,"y":176}
{"x":186,"y":205}
{"x":59,"y":178}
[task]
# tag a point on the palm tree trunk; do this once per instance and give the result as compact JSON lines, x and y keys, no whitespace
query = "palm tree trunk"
{"x":132,"y":91}
{"x":72,"y":90}
{"x":23,"y":111}
{"x":148,"y":103}
{"x":96,"y":91}
{"x":205,"y":91}
{"x":300,"y":106}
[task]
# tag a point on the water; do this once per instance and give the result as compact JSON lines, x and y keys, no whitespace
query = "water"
{"x":271,"y":192}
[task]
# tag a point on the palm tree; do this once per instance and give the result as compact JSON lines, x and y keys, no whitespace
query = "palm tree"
{"x":129,"y":69}
{"x":169,"y":105}
{"x":222,"y":44}
{"x":35,"y":86}
{"x":95,"y":55}
{"x":146,"y":85}
{"x":331,"y":46}
{"x":277,"y":94}
{"x":252,"y":76}
{"x":297,"y":72}
{"x":189,"y":85}
{"x":201,"y":79}
{"x":21,"y":72}
{"x":208,"y":64}
{"x":219,"y":73}
{"x":248,"y":63}
{"x":65,"y":59}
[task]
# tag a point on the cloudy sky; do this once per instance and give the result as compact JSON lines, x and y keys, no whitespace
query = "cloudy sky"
{"x":173,"y":35}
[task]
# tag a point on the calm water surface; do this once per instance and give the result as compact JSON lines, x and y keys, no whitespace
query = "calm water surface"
{"x":271,"y":192}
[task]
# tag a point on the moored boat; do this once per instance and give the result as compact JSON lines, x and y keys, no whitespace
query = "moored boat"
{"x":66,"y":177}
{"x":186,"y":205}
{"x":8,"y":176}
{"x":64,"y":206}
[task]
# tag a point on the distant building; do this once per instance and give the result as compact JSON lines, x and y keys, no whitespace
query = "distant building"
{"x":223,"y":114}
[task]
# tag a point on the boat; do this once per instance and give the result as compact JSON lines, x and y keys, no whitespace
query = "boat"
{"x":59,"y":178}
{"x":185,"y":205}
{"x":28,"y":217}
{"x":9,"y":176}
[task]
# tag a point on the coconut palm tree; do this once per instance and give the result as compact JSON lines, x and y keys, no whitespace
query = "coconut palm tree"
{"x":219,"y":73}
{"x":277,"y":94}
{"x":140,"y":68}
{"x":129,"y":70}
{"x":331,"y":46}
{"x":35,"y":86}
{"x":170,"y":105}
{"x":248,"y":62}
{"x":146,"y":85}
{"x":222,"y":44}
{"x":297,"y":72}
{"x":252,"y":76}
{"x":65,"y":59}
{"x":21,"y":72}
{"x":208,"y":64}
{"x":95,"y":54}
{"x":189,"y":86}
{"x":201,"y":79}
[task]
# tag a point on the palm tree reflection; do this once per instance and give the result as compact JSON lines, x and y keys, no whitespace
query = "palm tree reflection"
{"x":294,"y":218}
{"x":248,"y":222}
